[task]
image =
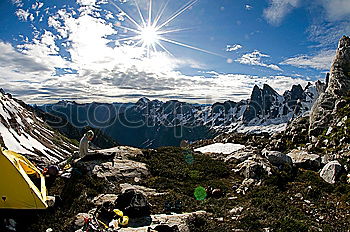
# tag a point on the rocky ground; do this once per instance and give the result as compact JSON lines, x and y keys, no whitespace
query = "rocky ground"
{"x":248,"y":190}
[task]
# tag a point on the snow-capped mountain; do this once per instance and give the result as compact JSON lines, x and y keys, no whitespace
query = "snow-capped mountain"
{"x":24,"y":132}
{"x":152,"y":123}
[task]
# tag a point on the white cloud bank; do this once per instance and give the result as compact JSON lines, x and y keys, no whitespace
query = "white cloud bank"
{"x":320,"y":61}
{"x":255,"y":59}
{"x":334,"y":9}
{"x":278,"y":9}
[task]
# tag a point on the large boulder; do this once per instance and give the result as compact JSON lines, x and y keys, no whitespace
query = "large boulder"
{"x":254,"y":168}
{"x":331,"y":171}
{"x":119,"y":169}
{"x":303,"y":159}
{"x":277,"y":158}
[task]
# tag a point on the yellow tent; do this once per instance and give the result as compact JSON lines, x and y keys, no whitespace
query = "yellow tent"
{"x":17,"y":190}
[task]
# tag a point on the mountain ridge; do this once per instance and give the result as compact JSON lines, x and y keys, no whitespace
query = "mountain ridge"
{"x":265,"y":111}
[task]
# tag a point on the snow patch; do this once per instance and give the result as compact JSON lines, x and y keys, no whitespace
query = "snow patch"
{"x":224,"y":148}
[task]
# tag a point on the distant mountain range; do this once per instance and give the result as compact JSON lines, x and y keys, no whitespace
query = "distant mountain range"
{"x":155,"y":123}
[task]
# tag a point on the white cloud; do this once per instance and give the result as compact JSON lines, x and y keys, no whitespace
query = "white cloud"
{"x":230,"y":48}
{"x":248,"y":7}
{"x":278,"y":9}
{"x":336,"y":9}
{"x":254,"y":58}
{"x":17,"y":62}
{"x":37,"y":5}
{"x":24,"y":15}
{"x":87,"y":2}
{"x":326,"y":35}
{"x":17,"y":3}
{"x":321,"y":61}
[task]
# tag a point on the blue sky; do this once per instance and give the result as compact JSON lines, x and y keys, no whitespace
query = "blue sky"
{"x":88,"y":50}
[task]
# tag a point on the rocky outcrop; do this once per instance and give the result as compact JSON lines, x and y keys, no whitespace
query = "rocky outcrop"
{"x":324,"y":111}
{"x":115,"y":164}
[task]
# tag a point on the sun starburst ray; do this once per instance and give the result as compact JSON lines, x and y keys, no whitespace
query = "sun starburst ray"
{"x":140,"y":13}
{"x":154,"y":47}
{"x":128,"y":28}
{"x":188,"y":46}
{"x":166,"y":50}
{"x":174,"y":30}
{"x":130,"y":38}
{"x":136,"y":44}
{"x":179,"y":12}
{"x":128,"y":16}
{"x":160,"y":14}
{"x":150,"y":13}
{"x":150,"y":34}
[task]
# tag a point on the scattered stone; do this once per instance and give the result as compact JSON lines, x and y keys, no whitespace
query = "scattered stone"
{"x":299,"y":195}
{"x":330,"y":172}
{"x":254,"y":167}
{"x":303,"y":159}
{"x":236,"y":210}
{"x":103,"y":198}
{"x":146,"y":191}
{"x":276,"y":158}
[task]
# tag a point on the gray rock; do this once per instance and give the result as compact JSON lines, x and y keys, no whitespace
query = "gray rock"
{"x":304,"y":159}
{"x":239,"y":156}
{"x":276,"y":158}
{"x":330,"y":172}
{"x":102,"y":198}
{"x":254,"y":167}
{"x":120,"y":170}
{"x":146,"y":191}
{"x":236,"y":210}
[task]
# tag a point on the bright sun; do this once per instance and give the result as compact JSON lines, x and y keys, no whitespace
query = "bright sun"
{"x":149,"y":35}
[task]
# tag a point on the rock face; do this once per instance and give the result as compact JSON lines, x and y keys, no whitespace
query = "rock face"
{"x":324,"y":110}
{"x":330,"y":172}
{"x":22,"y":131}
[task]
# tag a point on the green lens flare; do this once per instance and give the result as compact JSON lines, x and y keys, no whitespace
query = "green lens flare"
{"x":200,"y":193}
{"x":189,"y":159}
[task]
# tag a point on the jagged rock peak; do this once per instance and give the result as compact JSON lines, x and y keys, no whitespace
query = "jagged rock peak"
{"x":339,"y":80}
{"x":324,"y":111}
{"x":269,"y":90}
{"x":142,"y":101}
